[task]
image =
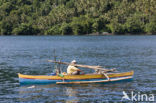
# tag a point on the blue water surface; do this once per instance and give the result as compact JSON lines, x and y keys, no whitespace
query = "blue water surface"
{"x":29,"y":55}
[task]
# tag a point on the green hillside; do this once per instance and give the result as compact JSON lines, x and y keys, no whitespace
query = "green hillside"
{"x":77,"y":17}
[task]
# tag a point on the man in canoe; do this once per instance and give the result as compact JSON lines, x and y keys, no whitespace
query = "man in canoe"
{"x":72,"y":70}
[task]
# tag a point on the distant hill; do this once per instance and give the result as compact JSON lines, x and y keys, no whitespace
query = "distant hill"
{"x":77,"y":17}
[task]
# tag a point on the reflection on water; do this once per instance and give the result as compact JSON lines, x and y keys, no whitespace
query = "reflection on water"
{"x":25,"y":91}
{"x":72,"y":95}
{"x":29,"y":55}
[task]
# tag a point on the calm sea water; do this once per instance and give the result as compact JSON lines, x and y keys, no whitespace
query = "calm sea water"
{"x":29,"y":55}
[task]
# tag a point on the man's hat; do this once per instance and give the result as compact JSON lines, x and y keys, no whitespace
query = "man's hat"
{"x":74,"y":61}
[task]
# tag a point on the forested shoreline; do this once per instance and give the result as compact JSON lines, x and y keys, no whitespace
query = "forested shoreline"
{"x":77,"y":17}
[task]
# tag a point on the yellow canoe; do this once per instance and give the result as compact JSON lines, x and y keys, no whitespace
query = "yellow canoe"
{"x":74,"y":79}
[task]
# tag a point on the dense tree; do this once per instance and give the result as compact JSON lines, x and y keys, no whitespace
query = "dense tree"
{"x":65,"y":17}
{"x":65,"y":29}
{"x":54,"y":30}
{"x":150,"y":27}
{"x":25,"y":29}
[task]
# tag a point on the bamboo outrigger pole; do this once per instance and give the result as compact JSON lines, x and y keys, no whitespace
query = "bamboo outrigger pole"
{"x":84,"y":66}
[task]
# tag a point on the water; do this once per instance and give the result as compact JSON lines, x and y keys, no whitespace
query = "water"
{"x":29,"y":55}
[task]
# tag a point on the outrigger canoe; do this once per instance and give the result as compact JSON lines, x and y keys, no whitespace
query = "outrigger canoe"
{"x":75,"y":79}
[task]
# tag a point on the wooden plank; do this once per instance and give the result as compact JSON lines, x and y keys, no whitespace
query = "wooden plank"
{"x":106,"y":76}
{"x":101,"y":81}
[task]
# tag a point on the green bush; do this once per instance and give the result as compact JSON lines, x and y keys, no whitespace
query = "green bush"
{"x":54,"y":30}
{"x":25,"y":29}
{"x":66,"y":29}
{"x":151,"y":28}
{"x":82,"y":25}
{"x":116,"y":27}
{"x":134,"y":25}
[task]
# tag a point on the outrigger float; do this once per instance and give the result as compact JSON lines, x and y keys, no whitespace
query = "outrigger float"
{"x":100,"y":76}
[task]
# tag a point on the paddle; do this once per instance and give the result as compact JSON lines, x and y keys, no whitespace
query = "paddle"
{"x":84,"y":66}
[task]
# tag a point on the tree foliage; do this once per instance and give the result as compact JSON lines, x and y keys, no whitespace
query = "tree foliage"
{"x":25,"y":29}
{"x":66,"y":17}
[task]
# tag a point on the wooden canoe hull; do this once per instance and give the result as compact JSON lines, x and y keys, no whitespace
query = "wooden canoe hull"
{"x":86,"y":78}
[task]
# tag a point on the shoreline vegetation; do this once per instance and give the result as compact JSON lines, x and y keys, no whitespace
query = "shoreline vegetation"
{"x":77,"y":17}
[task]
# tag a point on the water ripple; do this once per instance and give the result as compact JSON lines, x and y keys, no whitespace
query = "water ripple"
{"x":29,"y":55}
